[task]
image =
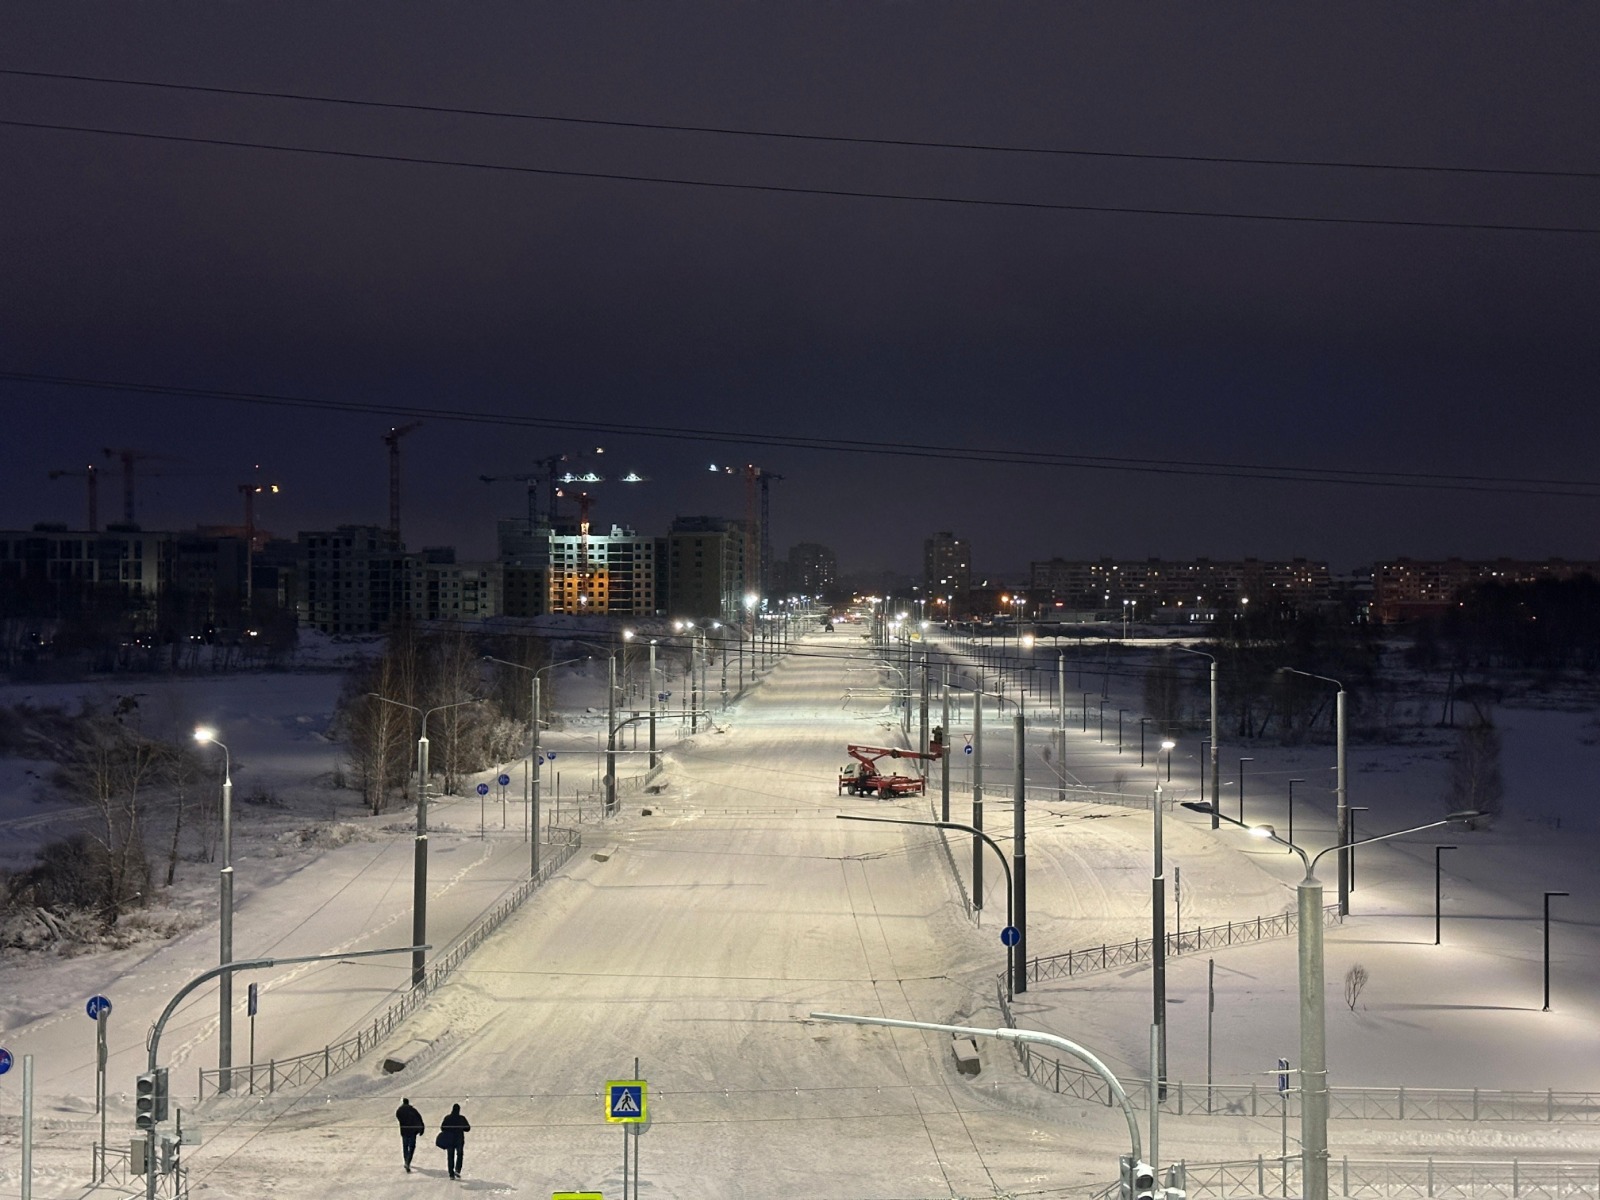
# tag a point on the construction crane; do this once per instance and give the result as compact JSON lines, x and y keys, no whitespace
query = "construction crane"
{"x":767,"y":478}
{"x":757,"y":548}
{"x":92,"y":474}
{"x":547,"y":475}
{"x":250,"y":491}
{"x":392,"y":440}
{"x":128,"y":458}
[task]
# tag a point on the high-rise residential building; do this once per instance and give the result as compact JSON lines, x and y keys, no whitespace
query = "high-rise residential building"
{"x":706,"y":569}
{"x":355,"y":579}
{"x":51,"y":571}
{"x":1404,"y":588}
{"x":813,"y":569}
{"x":947,"y":573}
{"x":616,"y":572}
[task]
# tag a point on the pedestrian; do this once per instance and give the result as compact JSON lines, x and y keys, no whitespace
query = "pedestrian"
{"x":452,"y":1139}
{"x":411,"y":1124}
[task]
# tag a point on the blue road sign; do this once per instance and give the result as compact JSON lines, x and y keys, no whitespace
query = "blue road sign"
{"x":625,"y":1101}
{"x":552,"y":755}
{"x":663,"y":696}
{"x":5,"y":1060}
{"x":503,"y":780}
{"x":96,"y":1006}
{"x":483,"y":789}
{"x":254,"y":1002}
{"x":966,"y":749}
{"x":1010,"y":935}
{"x":1283,"y":1074}
{"x":540,"y":760}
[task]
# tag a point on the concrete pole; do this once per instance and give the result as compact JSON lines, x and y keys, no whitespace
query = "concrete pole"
{"x":538,"y":770}
{"x":419,"y":872}
{"x":1019,"y":856}
{"x":977,"y":800}
{"x":1061,"y":727}
{"x":694,"y":684}
{"x":27,"y":1129}
{"x":1216,"y":769}
{"x":611,"y":735}
{"x":225,"y":983}
{"x":1343,"y":808}
{"x":1158,"y":952}
{"x":944,"y":758}
{"x":1313,"y":1045}
{"x":653,"y":687}
{"x":922,"y":744}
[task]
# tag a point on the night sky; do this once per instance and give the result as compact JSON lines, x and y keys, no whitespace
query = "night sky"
{"x":1059,"y":324}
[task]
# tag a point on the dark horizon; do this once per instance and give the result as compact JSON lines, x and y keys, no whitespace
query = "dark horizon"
{"x":1323,"y":326}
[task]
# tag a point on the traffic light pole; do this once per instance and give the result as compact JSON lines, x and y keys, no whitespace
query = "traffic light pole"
{"x":153,"y":1038}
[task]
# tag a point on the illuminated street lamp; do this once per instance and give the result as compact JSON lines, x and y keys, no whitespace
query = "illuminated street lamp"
{"x":1158,"y":935}
{"x":1313,"y":1013}
{"x":419,"y":869}
{"x":207,"y":736}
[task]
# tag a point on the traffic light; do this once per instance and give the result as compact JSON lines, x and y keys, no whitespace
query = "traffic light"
{"x":144,"y":1101}
{"x":150,"y":1099}
{"x":1138,"y":1180}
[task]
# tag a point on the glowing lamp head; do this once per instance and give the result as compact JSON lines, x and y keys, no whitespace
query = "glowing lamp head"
{"x":205,"y":734}
{"x":1263,"y":831}
{"x":1168,"y":744}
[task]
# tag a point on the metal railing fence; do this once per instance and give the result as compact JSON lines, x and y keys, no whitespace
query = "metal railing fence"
{"x":1206,"y":937}
{"x":302,"y":1069}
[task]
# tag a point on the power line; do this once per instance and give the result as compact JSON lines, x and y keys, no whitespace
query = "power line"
{"x":788,"y":135}
{"x":1569,"y":489}
{"x":796,"y":190}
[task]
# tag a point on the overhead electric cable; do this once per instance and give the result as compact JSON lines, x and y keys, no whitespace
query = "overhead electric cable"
{"x":795,"y":190}
{"x":790,"y":135}
{"x":1574,"y":489}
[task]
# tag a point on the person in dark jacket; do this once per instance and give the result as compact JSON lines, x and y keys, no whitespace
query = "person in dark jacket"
{"x":453,"y":1140}
{"x":410,"y":1125}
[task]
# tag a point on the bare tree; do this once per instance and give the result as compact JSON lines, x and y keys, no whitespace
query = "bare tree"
{"x":1355,"y":979}
{"x":1474,"y":783}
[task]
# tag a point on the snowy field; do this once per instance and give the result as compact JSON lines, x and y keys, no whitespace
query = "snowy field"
{"x":698,"y":938}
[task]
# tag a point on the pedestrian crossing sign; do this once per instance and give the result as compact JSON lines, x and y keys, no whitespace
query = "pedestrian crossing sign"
{"x":625,"y":1101}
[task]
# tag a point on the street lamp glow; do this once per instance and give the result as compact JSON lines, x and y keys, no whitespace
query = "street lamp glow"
{"x":204,"y":734}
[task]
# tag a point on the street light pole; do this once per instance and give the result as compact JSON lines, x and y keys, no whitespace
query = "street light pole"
{"x":1438,"y":888}
{"x":536,"y":703}
{"x":419,"y":869}
{"x":225,"y":910}
{"x":1547,"y":896}
{"x":1019,"y":853}
{"x":1158,"y":940}
{"x":1216,"y":769}
{"x":1313,"y":1012}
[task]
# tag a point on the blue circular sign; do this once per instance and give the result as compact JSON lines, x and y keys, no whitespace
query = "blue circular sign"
{"x":966,"y":749}
{"x":540,"y":760}
{"x":483,"y":789}
{"x":1010,"y":935}
{"x":503,"y":780}
{"x":552,"y":756}
{"x":96,"y":1006}
{"x":5,"y":1060}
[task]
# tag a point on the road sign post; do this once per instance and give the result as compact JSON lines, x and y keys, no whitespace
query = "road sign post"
{"x":99,"y":1010}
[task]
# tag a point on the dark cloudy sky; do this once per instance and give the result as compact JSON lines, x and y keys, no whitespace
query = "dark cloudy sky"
{"x":1274,"y":345}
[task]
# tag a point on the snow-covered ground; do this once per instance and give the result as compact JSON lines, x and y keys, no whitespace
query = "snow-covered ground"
{"x":698,"y":938}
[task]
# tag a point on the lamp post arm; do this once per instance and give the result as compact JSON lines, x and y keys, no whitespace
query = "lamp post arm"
{"x":152,"y":1040}
{"x":992,"y":844}
{"x":1452,"y":819}
{"x":1015,"y":1035}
